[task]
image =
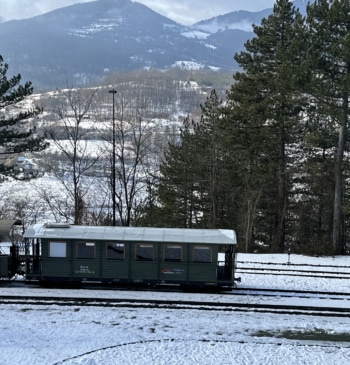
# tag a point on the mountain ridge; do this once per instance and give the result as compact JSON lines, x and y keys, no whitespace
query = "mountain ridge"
{"x":79,"y":43}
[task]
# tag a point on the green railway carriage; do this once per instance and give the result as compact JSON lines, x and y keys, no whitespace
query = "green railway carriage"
{"x":4,"y":266}
{"x":67,"y":253}
{"x":10,"y":230}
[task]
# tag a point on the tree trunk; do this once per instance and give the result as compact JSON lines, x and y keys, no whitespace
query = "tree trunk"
{"x":279,"y":225}
{"x":338,"y":188}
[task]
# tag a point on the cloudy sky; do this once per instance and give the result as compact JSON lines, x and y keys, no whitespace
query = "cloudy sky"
{"x":182,"y":11}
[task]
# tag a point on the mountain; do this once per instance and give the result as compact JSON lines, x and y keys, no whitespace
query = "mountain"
{"x":239,"y":20}
{"x":80,"y":43}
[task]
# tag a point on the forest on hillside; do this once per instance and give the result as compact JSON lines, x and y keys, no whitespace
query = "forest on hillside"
{"x":264,"y":152}
{"x":271,"y":159}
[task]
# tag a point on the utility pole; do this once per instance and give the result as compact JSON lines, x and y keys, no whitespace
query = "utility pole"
{"x":113,"y":92}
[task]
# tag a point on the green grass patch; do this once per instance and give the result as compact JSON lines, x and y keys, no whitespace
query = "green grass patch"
{"x":310,"y":335}
{"x":25,"y":309}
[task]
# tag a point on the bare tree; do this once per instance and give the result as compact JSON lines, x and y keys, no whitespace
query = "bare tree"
{"x":134,"y":139}
{"x":72,"y":138}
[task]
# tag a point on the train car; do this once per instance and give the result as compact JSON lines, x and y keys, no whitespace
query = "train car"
{"x":10,"y":260}
{"x":149,"y":256}
{"x":4,"y":266}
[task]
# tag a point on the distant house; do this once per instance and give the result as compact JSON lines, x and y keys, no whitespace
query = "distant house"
{"x":26,"y":167}
{"x":23,"y":168}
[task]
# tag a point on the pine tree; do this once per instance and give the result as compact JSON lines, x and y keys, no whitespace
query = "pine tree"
{"x":195,"y":188}
{"x":216,"y":170}
{"x":15,"y":136}
{"x":178,"y":183}
{"x":264,"y":105}
{"x":328,"y":25}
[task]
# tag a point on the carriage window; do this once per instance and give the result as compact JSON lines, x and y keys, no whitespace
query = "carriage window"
{"x":115,"y":251}
{"x":201,"y":254}
{"x":85,"y":250}
{"x":57,"y":249}
{"x":172,"y":253}
{"x":144,"y":252}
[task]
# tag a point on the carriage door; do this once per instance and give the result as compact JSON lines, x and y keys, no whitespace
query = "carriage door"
{"x":225,"y":262}
{"x":33,"y":257}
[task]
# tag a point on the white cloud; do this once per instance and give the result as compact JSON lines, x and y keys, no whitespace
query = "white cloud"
{"x":191,"y":11}
{"x":19,"y":9}
{"x":182,"y":11}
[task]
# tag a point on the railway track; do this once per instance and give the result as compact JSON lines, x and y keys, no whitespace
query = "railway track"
{"x":238,"y":291}
{"x":288,"y":269}
{"x":290,"y":264}
{"x":289,"y":272}
{"x":309,"y":310}
{"x":309,"y":294}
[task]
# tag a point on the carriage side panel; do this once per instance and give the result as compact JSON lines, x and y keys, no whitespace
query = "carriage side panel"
{"x":4,"y":266}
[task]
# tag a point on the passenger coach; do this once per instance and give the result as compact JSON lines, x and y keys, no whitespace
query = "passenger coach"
{"x":67,"y":253}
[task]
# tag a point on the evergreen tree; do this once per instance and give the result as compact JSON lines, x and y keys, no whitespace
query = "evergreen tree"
{"x":214,"y":165}
{"x":313,"y":210}
{"x":195,"y":188}
{"x":264,"y":105}
{"x":328,"y":25}
{"x":179,"y":182}
{"x":15,"y":136}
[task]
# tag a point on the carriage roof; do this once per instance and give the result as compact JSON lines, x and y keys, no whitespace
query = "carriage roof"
{"x":91,"y":233}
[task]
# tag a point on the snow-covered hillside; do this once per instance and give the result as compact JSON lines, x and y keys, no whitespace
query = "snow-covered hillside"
{"x":161,"y":106}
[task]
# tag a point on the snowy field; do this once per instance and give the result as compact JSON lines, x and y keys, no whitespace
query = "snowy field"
{"x":90,"y":336}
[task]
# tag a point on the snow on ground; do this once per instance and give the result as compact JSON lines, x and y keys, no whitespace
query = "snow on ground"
{"x":337,"y":264}
{"x":87,"y":335}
